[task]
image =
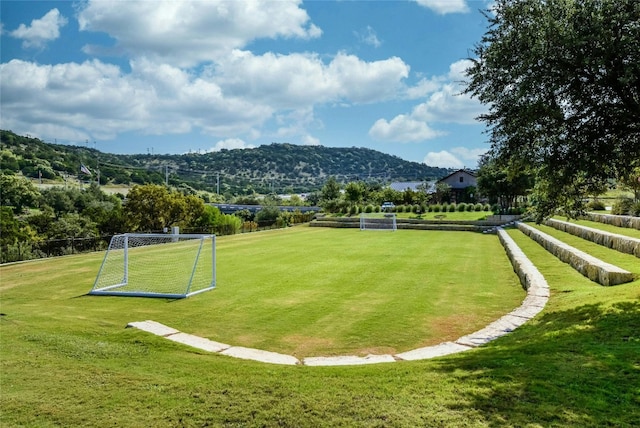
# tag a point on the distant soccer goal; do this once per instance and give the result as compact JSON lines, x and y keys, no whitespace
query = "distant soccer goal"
{"x":157,"y":265}
{"x":378,"y":221}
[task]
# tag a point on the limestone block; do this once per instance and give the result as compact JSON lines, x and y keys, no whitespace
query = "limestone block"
{"x":624,"y":244}
{"x":595,"y":269}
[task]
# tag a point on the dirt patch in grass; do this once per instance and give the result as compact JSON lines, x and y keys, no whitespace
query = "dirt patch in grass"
{"x":451,"y":327}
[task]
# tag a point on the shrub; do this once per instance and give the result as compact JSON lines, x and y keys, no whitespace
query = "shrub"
{"x":596,"y":205}
{"x":423,"y":208}
{"x":353,"y":210}
{"x":436,"y":208}
{"x":486,"y":207}
{"x":452,"y":208}
{"x":635,"y":209}
{"x":622,"y":206}
{"x":249,"y":226}
{"x":477,"y":207}
{"x":267,"y":216}
{"x":376,"y":208}
{"x":416,"y":209}
{"x":368,"y":209}
{"x":228,"y":224}
{"x":461,"y":207}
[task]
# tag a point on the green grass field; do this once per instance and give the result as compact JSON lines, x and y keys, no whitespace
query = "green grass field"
{"x":67,"y":360}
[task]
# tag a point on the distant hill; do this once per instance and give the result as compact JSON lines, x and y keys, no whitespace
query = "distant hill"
{"x":279,"y":168}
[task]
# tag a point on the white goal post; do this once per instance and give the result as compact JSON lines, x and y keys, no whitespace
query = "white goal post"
{"x":172,"y":266}
{"x":378,"y":221}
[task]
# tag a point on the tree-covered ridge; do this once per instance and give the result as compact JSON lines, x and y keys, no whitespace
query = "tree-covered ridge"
{"x":268,"y":168}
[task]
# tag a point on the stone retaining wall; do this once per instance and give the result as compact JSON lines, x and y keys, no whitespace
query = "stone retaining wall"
{"x":615,"y":220}
{"x":411,"y":223}
{"x":530,"y":277}
{"x":595,"y":269}
{"x":624,"y":244}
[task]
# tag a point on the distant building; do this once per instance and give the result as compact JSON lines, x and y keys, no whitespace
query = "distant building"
{"x":402,"y":186}
{"x":459,"y":181}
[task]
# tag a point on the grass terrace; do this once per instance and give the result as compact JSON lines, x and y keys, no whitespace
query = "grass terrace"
{"x":632,"y":233}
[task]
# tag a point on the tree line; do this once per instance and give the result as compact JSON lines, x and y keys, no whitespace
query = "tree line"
{"x":56,"y":221}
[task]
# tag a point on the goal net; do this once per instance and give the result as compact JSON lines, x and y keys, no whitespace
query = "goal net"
{"x":378,"y":221}
{"x":157,"y":265}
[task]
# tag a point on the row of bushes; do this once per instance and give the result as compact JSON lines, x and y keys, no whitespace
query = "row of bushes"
{"x":626,"y":206}
{"x":621,"y":206}
{"x":418,"y":209}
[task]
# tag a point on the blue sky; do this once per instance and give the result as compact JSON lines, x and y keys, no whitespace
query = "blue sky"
{"x":177,"y":77}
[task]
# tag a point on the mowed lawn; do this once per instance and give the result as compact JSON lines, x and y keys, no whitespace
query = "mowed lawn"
{"x":67,"y":360}
{"x":302,"y":291}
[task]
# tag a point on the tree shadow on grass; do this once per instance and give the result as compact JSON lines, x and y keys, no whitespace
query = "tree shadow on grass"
{"x":579,"y":367}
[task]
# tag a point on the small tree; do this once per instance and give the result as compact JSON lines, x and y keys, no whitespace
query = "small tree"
{"x":330,"y":195}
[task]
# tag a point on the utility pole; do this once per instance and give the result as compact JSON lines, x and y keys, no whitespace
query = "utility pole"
{"x":97,"y":164}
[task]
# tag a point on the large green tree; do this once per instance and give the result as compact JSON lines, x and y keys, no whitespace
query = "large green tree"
{"x":17,"y":192}
{"x":502,"y":184}
{"x":561,"y":79}
{"x":153,"y":207}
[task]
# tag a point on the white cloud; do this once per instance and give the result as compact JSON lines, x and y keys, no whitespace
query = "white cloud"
{"x":298,"y":80}
{"x":402,"y":129}
{"x":368,"y":36}
{"x":443,"y":7}
{"x":457,"y":157}
{"x":364,"y":82}
{"x":230,"y":144}
{"x":458,"y":70}
{"x":445,"y":103}
{"x":309,"y":140}
{"x":187,"y":33}
{"x":293,"y":125}
{"x":443,"y":159}
{"x":448,"y":105}
{"x":471,"y":156}
{"x":236,"y":97}
{"x":424,"y":87}
{"x":41,"y":30}
{"x":97,"y":98}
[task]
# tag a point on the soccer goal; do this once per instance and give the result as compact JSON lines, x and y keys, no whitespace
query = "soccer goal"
{"x":157,"y":265}
{"x":378,"y":221}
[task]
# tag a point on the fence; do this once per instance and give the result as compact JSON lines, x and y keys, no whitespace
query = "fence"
{"x":52,"y":248}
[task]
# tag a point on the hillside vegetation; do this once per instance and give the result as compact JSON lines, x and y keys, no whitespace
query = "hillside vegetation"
{"x":279,"y":168}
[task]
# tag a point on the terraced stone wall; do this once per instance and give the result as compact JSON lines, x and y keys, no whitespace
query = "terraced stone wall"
{"x":621,"y":243}
{"x":615,"y":220}
{"x":595,"y":269}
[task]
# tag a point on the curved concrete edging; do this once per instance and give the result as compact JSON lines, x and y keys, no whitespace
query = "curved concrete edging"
{"x":531,"y":279}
